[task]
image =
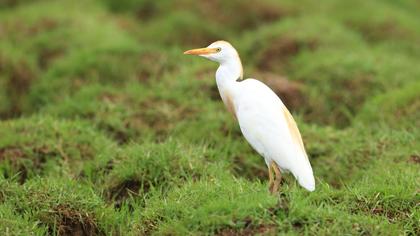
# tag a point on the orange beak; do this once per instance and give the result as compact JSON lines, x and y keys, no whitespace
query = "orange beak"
{"x":201,"y":51}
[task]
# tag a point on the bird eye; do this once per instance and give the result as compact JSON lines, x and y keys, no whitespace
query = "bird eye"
{"x":218,"y":49}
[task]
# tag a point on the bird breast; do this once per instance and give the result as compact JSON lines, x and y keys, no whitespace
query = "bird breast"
{"x":227,"y":98}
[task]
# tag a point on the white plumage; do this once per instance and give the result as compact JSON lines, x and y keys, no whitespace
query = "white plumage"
{"x":263,"y":118}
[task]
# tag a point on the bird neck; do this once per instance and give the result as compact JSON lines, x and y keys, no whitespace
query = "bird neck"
{"x":227,"y":78}
{"x":229,"y":73}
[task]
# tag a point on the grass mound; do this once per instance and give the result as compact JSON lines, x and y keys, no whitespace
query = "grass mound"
{"x":112,"y":111}
{"x":109,"y":66}
{"x":14,"y":224}
{"x":274,"y":46}
{"x":49,"y":147}
{"x":206,"y":206}
{"x":391,"y":198}
{"x":221,"y":12}
{"x":64,"y":207}
{"x":139,"y":169}
{"x":17,"y":75}
{"x":340,"y":157}
{"x":378,"y":21}
{"x":352,"y":80}
{"x":398,"y":108}
{"x":66,"y":52}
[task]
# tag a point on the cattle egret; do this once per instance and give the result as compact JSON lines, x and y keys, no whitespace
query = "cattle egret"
{"x":263,"y":118}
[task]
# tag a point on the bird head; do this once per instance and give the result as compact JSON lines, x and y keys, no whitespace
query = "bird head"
{"x":219,"y":51}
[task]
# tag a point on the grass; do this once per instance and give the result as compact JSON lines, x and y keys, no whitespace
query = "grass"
{"x":107,"y":129}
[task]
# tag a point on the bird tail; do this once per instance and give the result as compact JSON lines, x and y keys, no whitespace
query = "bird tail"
{"x":307,"y":180}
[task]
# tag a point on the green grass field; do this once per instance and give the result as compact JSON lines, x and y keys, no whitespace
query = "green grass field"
{"x":106,"y":128}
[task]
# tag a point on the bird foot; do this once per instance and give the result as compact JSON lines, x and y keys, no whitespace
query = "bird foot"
{"x":274,"y":181}
{"x":270,"y":188}
{"x":274,"y":189}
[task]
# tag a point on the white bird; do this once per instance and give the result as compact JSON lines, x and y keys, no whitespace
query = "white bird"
{"x":263,"y":118}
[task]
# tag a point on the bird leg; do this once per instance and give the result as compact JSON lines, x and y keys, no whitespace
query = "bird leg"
{"x":278,"y":177}
{"x":271,"y":179}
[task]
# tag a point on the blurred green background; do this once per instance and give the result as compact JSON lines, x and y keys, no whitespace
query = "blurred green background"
{"x":106,"y":128}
